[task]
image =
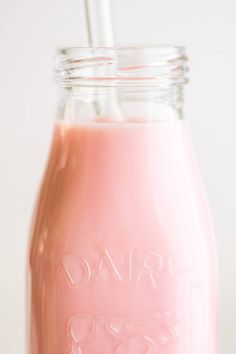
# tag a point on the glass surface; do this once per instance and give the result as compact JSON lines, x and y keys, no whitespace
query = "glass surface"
{"x":122,"y":254}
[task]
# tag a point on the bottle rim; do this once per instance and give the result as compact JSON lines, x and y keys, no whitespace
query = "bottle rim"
{"x":132,"y":66}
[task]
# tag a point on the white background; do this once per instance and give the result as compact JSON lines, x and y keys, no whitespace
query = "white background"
{"x":29,"y":32}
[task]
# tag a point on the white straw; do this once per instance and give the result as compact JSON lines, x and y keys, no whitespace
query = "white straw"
{"x":99,"y":23}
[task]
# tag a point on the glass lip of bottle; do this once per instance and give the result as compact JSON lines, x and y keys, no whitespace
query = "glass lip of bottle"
{"x":159,"y":66}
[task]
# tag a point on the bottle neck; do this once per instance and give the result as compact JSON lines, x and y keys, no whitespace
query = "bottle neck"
{"x":123,"y":104}
{"x":121,"y":84}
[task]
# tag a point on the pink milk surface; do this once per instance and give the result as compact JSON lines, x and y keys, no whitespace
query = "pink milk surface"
{"x":122,"y":254}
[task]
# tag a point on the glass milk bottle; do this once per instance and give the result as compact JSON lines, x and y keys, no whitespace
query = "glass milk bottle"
{"x":122,"y":255}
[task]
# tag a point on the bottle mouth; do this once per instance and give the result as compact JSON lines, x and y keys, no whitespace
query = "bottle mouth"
{"x":143,"y":66}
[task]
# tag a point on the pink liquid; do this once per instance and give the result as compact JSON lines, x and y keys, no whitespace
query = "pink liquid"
{"x":122,"y":255}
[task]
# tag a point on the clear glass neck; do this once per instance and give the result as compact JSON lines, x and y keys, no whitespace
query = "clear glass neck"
{"x":142,"y":84}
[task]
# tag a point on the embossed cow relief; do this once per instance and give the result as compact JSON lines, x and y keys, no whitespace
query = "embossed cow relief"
{"x":119,"y":335}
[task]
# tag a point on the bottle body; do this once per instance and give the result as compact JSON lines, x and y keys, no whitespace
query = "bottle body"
{"x":122,"y":255}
